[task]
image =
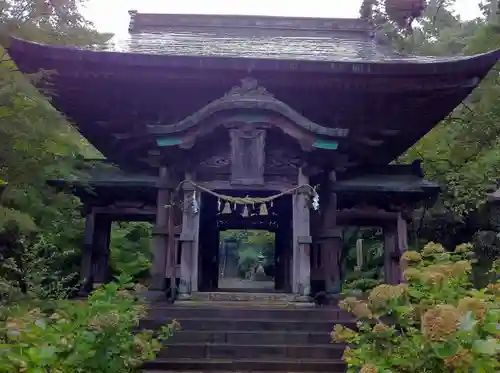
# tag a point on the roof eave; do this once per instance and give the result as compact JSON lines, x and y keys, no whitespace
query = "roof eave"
{"x":23,"y":51}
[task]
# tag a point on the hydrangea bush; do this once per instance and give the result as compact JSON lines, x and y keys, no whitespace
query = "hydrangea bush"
{"x":434,"y":323}
{"x":88,"y":336}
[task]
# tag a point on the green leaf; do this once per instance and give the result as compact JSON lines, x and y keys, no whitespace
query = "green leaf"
{"x":446,"y":349}
{"x":36,"y":370}
{"x":415,"y":293}
{"x":47,"y":353}
{"x":489,"y":346}
{"x":403,"y":310}
{"x":492,"y":327}
{"x":89,"y":337}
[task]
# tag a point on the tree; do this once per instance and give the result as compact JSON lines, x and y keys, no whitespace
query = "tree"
{"x":36,"y":142}
{"x":462,"y":152}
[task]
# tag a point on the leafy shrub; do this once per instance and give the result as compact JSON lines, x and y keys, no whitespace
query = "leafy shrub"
{"x":35,"y":269}
{"x":88,"y":336}
{"x":361,"y":284}
{"x":434,"y":323}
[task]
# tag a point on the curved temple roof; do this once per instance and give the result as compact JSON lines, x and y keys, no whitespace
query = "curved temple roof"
{"x":332,"y":72}
{"x":315,"y":39}
{"x":322,"y":55}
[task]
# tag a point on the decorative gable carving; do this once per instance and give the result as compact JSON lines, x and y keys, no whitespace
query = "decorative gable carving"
{"x":249,"y":95}
{"x":249,"y":87}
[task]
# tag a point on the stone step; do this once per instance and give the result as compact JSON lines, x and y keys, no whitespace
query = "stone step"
{"x":246,"y":365}
{"x":249,"y":337}
{"x":225,"y":324}
{"x":223,"y":296}
{"x":245,"y":303}
{"x":240,"y":311}
{"x":191,"y":371}
{"x":255,"y":351}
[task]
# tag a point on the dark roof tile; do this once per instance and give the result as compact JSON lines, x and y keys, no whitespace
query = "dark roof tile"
{"x":292,"y":45}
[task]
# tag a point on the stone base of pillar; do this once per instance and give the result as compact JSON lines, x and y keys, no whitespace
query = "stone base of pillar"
{"x":153,"y":296}
{"x":304,"y":288}
{"x":302,"y":299}
{"x":184,"y":297}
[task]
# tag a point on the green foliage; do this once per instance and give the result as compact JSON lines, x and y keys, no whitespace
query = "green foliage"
{"x":361,"y":283}
{"x":462,"y":152}
{"x":250,"y":245}
{"x":434,"y":323}
{"x":131,"y":248}
{"x":91,"y":336}
{"x":37,"y":143}
{"x":35,"y":269}
{"x":370,"y":273}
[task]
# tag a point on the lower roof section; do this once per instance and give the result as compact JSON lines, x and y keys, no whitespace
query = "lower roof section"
{"x":394,"y":185}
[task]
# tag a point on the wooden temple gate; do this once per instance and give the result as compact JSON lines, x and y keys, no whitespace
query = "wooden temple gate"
{"x":321,"y":104}
{"x":247,"y":144}
{"x":309,"y":241}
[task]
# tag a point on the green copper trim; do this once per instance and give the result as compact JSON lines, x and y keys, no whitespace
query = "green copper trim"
{"x":326,"y":144}
{"x":168,"y":141}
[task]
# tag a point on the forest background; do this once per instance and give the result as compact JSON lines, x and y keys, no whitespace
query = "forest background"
{"x":41,"y":230}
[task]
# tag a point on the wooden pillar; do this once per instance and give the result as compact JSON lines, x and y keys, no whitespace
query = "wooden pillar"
{"x":86,"y":275}
{"x":389,"y":250}
{"x":189,"y":240}
{"x":331,"y":243}
{"x":301,"y":268}
{"x":100,"y":257}
{"x":331,"y":252}
{"x":395,"y":243}
{"x":94,"y":269}
{"x":401,"y":242}
{"x":160,"y":233}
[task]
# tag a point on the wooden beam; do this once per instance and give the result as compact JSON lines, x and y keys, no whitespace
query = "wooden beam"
{"x":364,"y":217}
{"x":123,"y":211}
{"x":268,"y":186}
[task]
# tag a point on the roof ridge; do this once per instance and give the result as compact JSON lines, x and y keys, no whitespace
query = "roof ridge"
{"x":144,"y":21}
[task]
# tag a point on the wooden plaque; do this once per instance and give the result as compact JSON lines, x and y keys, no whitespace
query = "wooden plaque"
{"x":247,"y":156}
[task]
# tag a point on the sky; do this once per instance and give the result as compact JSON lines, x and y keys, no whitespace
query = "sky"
{"x":112,"y":15}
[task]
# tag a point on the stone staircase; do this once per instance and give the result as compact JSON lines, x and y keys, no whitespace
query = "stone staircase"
{"x":248,"y":335}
